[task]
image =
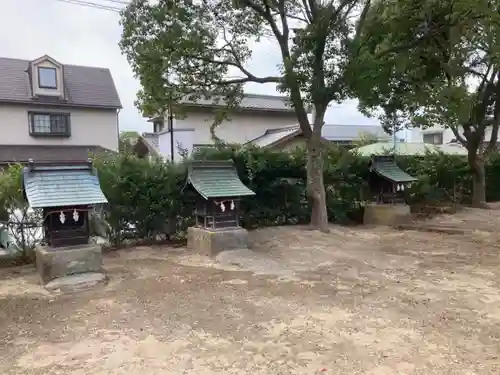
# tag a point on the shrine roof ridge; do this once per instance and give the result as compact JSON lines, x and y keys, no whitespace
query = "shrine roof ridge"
{"x":216,"y":179}
{"x":386,"y":167}
{"x":61,"y":185}
{"x":211,"y":164}
{"x":33,"y":166}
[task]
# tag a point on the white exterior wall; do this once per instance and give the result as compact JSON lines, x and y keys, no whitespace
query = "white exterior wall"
{"x":417,"y":134}
{"x":183,"y":141}
{"x":242,"y":127}
{"x":89,"y":127}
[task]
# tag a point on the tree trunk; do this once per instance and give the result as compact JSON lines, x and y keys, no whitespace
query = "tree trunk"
{"x":476,"y":163}
{"x":315,"y":184}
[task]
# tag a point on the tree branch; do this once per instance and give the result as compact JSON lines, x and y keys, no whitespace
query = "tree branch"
{"x":290,"y":76}
{"x":485,"y":91}
{"x":237,"y":81}
{"x":362,"y":19}
{"x":307,"y":11}
{"x":458,"y":136}
{"x":249,"y":76}
{"x":313,"y":6}
{"x":284,"y":22}
{"x":496,"y":118}
{"x":264,"y":11}
{"x":484,"y":81}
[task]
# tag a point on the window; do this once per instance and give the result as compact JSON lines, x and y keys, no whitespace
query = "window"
{"x":49,"y":124}
{"x":47,"y":78}
{"x":433,"y":138}
{"x":158,"y":126}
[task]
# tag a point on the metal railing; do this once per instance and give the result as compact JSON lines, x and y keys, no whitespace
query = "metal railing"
{"x":23,"y":231}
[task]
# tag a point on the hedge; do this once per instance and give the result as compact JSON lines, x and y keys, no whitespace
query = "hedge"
{"x":151,"y":198}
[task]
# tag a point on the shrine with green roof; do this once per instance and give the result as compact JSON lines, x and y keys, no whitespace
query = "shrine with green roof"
{"x":386,"y":180}
{"x":66,"y":193}
{"x":219,"y":191}
{"x":387,"y":183}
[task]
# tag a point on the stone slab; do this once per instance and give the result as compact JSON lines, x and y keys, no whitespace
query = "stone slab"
{"x":76,"y":283}
{"x":54,"y":263}
{"x":211,"y":242}
{"x":423,"y":227}
{"x":386,"y":214}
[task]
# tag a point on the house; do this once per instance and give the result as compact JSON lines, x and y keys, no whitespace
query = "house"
{"x":435,"y":135}
{"x":52,"y":112}
{"x":290,"y":137}
{"x":255,"y":115}
{"x":261,"y":120}
{"x":438,"y":135}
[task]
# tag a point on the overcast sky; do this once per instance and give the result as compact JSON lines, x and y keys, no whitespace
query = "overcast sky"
{"x":74,"y":34}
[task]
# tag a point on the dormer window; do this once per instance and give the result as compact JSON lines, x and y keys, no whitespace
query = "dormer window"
{"x":47,"y":77}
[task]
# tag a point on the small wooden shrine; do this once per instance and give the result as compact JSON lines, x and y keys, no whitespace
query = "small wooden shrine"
{"x":219,"y":190}
{"x":387,"y":181}
{"x":66,"y":194}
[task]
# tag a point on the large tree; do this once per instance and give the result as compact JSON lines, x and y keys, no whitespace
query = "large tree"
{"x":201,"y":48}
{"x":435,"y":63}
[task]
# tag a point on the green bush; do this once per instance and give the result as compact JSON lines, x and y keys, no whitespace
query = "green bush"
{"x":150,"y":198}
{"x":441,"y":177}
{"x":146,"y":199}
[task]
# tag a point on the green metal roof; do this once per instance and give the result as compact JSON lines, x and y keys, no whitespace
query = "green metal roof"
{"x":217,"y":179}
{"x":388,"y":169}
{"x":61,"y":186}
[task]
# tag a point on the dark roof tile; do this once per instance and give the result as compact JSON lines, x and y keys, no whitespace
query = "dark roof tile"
{"x":84,"y":86}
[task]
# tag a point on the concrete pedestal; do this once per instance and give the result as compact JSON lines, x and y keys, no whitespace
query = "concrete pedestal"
{"x":211,"y":242}
{"x":385,"y":214}
{"x":55,"y":263}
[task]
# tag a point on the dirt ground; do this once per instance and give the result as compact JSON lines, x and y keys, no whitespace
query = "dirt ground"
{"x":354,"y":301}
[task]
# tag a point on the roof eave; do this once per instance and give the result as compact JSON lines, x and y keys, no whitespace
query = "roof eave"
{"x":49,"y":104}
{"x":284,"y":139}
{"x":238,"y":109}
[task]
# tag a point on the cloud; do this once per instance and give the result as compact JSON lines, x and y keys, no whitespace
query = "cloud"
{"x":74,"y":34}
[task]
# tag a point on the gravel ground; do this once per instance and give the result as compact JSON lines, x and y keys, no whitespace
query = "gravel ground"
{"x":354,"y":301}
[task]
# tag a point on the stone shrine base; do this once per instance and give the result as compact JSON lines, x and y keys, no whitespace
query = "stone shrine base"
{"x":385,"y":214}
{"x":62,"y":262}
{"x":211,"y":242}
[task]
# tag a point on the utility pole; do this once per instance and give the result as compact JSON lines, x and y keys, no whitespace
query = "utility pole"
{"x":394,"y":134}
{"x":171,"y":129}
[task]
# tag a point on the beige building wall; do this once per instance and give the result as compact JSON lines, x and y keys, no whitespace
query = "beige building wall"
{"x":96,"y":127}
{"x":241,"y":128}
{"x":291,"y":144}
